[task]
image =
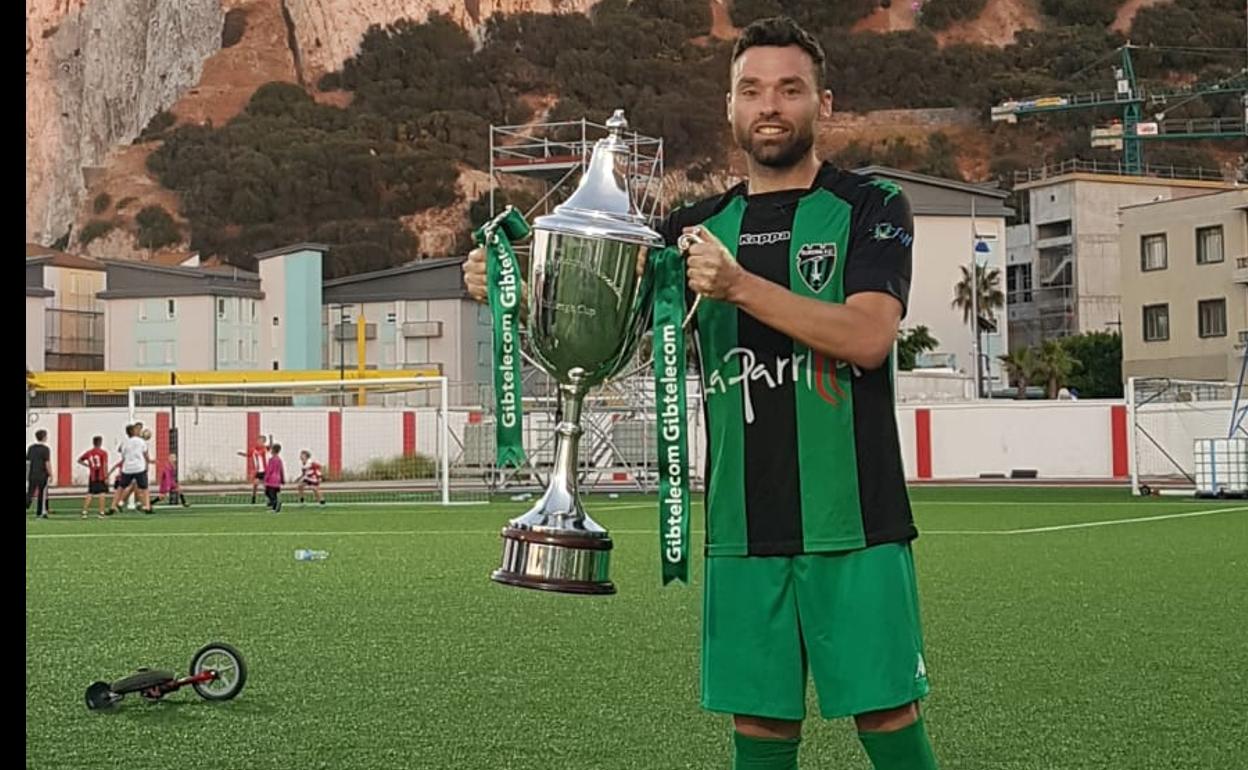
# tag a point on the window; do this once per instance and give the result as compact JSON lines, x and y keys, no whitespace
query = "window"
{"x":1018,"y":283}
{"x":391,"y":317}
{"x":1153,"y":252}
{"x":275,"y":366}
{"x":1053,"y":230}
{"x":171,"y":309}
{"x":253,"y":310}
{"x":142,"y":310}
{"x":387,"y":352}
{"x":1208,"y":245}
{"x":241,"y":355}
{"x":1211,"y":317}
{"x":223,"y":351}
{"x":255,"y":351}
{"x":275,"y":320}
{"x":168,"y":352}
{"x":220,"y":308}
{"x":142,"y":357}
{"x":1156,"y":323}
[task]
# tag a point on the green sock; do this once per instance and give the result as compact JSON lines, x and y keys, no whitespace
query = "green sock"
{"x":904,"y":749}
{"x":764,"y":753}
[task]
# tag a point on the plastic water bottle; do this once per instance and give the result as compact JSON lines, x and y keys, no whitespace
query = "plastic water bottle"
{"x":306,"y":554}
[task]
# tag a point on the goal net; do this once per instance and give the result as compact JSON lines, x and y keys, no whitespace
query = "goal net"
{"x":365,"y":441}
{"x":1182,"y":432}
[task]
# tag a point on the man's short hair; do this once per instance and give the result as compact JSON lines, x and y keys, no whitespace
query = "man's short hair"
{"x":41,"y":434}
{"x":781,"y":31}
{"x":97,"y":440}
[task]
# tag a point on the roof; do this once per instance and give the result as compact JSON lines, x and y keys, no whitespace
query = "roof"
{"x":63,"y":259}
{"x":291,"y":249}
{"x":422,"y":279}
{"x":989,"y":189}
{"x":1240,"y":192}
{"x":130,"y":280}
{"x":937,"y":196}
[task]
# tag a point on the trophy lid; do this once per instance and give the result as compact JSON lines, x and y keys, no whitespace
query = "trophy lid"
{"x":602,"y":206}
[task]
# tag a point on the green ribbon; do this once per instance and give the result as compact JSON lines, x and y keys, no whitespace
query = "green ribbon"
{"x":673,"y":427}
{"x":503,"y":285}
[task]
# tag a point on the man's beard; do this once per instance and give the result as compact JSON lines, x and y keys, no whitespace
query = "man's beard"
{"x":773,"y":153}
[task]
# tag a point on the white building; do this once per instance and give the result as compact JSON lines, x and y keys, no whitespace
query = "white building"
{"x":945,"y":237}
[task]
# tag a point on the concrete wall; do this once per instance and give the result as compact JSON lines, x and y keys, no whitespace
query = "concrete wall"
{"x":454,"y":350}
{"x":1182,"y":285}
{"x":35,"y":319}
{"x":1075,"y":440}
{"x":273,"y":321}
{"x":186,"y":341}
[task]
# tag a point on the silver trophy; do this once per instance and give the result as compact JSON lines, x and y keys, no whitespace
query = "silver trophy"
{"x":588,"y":297}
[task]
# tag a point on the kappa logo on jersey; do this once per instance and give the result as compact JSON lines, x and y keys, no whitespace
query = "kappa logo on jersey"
{"x":764,"y":239}
{"x":815,"y":264}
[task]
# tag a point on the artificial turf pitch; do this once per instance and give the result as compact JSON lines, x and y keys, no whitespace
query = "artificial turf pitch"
{"x":1057,"y":637}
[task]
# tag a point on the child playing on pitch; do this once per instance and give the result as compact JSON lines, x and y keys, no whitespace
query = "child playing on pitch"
{"x":256,"y":465}
{"x":274,"y":475}
{"x":310,"y":476}
{"x":169,"y":483}
{"x":95,"y":460}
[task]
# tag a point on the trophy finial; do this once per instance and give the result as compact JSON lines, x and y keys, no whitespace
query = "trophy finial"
{"x":617,"y":123}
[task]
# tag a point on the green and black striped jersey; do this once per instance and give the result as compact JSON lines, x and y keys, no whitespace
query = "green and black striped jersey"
{"x":803,"y":454}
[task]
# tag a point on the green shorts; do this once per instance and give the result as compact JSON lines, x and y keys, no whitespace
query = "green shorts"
{"x":853,"y":616}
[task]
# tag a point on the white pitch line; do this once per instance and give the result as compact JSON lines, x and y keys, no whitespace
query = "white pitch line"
{"x":1082,"y":524}
{"x":299,"y":533}
{"x":462,"y":532}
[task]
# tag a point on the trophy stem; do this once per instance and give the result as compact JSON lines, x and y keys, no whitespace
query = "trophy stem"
{"x":563,"y":476}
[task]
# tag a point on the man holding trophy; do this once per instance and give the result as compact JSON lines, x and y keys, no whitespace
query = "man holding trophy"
{"x":801,"y":275}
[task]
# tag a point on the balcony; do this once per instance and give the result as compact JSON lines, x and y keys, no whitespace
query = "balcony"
{"x":1241,"y":270}
{"x":347,"y":332}
{"x":74,"y":340}
{"x":419,"y":329}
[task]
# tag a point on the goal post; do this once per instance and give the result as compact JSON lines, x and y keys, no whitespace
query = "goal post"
{"x":382,"y":440}
{"x":1184,"y":436}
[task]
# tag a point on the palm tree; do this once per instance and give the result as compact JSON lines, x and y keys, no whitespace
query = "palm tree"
{"x":1054,"y":364}
{"x":989,"y":299}
{"x":1020,"y":367}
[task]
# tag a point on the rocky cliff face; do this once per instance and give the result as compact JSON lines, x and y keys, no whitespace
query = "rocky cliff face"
{"x":328,"y":32}
{"x":98,"y":70}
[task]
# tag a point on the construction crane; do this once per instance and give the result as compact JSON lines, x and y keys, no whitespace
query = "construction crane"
{"x":1134,"y":101}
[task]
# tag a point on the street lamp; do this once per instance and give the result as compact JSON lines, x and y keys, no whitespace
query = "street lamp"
{"x":978,"y":246}
{"x":342,"y":341}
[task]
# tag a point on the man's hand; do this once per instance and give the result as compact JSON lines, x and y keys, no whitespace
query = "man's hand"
{"x":474,"y":274}
{"x":711,"y":270}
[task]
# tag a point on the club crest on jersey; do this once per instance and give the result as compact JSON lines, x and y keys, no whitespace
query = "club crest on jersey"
{"x":815,"y":264}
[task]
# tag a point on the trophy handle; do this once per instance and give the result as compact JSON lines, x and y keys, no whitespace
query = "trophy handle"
{"x":684,"y":243}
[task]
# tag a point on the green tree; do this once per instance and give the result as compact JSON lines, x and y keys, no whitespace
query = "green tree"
{"x":912,"y":342}
{"x":156,"y":228}
{"x":1099,"y":371}
{"x":1054,"y":365}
